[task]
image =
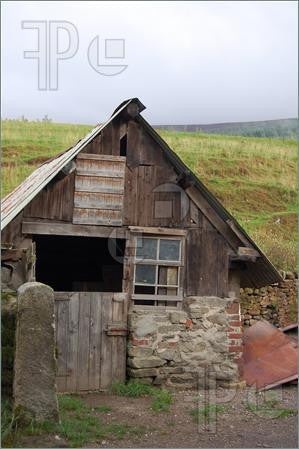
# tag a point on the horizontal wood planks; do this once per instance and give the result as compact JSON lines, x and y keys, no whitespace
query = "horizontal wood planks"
{"x":99,"y":190}
{"x":87,"y":357}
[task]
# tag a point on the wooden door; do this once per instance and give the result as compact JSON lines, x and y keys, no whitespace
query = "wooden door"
{"x":91,"y":329}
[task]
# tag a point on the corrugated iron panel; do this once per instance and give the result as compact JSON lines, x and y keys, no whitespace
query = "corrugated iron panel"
{"x":270,"y":356}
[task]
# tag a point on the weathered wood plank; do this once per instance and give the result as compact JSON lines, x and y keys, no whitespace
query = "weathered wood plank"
{"x":99,"y":184}
{"x":73,"y":343}
{"x":98,"y":200}
{"x":83,"y":353}
{"x":193,"y":262}
{"x":97,"y":217}
{"x":50,"y":228}
{"x":116,"y":344}
{"x":101,"y":157}
{"x":62,"y":344}
{"x":55,"y":201}
{"x":158,"y":230}
{"x":95,"y":341}
{"x":213,"y":217}
{"x":106,"y":346}
{"x":108,"y":168}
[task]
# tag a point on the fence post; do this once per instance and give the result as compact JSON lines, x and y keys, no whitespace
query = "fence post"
{"x":35,"y":364}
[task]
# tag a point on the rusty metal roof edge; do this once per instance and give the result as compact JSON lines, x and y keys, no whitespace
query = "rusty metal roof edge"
{"x":61,"y":160}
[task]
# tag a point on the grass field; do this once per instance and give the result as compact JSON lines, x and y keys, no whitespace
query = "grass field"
{"x":255,"y":178}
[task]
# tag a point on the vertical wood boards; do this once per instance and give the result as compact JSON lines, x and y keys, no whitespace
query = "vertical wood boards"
{"x":207,"y":262}
{"x":99,"y":189}
{"x":55,"y":201}
{"x":88,"y":358}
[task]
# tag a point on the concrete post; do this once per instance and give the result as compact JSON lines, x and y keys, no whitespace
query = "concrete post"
{"x":35,"y":363}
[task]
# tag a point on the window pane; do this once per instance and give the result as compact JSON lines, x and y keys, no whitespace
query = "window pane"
{"x":146,"y":249}
{"x":145,"y":274}
{"x":168,"y":275}
{"x":144,"y":290}
{"x":169,"y":249}
{"x":167,"y":291}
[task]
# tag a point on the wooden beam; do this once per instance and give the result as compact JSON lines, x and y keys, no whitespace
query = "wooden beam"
{"x":161,"y":231}
{"x":245,"y":251}
{"x":222,"y":227}
{"x":48,"y":228}
{"x":101,"y":157}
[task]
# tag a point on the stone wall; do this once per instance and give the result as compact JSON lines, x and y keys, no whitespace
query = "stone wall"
{"x":276,"y":303}
{"x":172,"y":347}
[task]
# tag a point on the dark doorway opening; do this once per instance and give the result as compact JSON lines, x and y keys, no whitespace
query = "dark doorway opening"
{"x":80,"y":263}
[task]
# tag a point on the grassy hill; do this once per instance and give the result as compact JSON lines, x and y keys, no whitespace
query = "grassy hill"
{"x":268,"y":128}
{"x":255,"y":178}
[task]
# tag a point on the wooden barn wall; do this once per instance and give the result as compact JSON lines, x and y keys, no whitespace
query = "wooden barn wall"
{"x":54,"y":202}
{"x":108,"y":142}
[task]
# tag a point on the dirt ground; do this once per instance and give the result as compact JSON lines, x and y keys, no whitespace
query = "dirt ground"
{"x":235,"y":425}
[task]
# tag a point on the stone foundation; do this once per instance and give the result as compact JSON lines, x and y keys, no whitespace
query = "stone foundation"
{"x":172,"y":348}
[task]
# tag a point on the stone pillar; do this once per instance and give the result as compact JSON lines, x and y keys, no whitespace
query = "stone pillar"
{"x":34,"y":368}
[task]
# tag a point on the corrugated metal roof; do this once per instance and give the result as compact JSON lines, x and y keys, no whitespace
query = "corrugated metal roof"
{"x":15,"y":201}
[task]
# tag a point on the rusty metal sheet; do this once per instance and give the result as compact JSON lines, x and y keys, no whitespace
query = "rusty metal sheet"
{"x":269,"y":357}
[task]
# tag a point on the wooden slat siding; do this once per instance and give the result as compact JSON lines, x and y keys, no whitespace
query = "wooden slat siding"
{"x":73,"y":343}
{"x":107,"y":139}
{"x":50,"y":228}
{"x":115,"y":124}
{"x":12,"y":233}
{"x":130,"y":197}
{"x":222,"y":267}
{"x":97,"y":217}
{"x":193,"y":262}
{"x":101,"y":157}
{"x":117,"y":347}
{"x":98,"y":200}
{"x":54,"y":202}
{"x":99,"y":190}
{"x":62,"y":311}
{"x":99,"y":184}
{"x":213,"y":217}
{"x":83,"y":353}
{"x":209,"y":255}
{"x":94,"y":147}
{"x":95,"y":341}
{"x":106,"y":347}
{"x":102,"y":167}
{"x":133,"y":144}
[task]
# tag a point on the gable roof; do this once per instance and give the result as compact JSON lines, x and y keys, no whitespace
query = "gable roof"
{"x":260,"y":273}
{"x":15,"y":201}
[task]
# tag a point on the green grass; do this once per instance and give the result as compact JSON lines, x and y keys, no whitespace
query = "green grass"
{"x":208,"y":412}
{"x":268,"y":405}
{"x":254,"y":178}
{"x":79,"y":425}
{"x":162,"y":398}
{"x":103,"y":409}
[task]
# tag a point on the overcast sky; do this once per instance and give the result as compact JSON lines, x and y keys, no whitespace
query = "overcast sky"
{"x":188,"y":62}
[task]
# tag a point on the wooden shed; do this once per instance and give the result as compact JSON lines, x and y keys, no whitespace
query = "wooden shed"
{"x":115,"y":224}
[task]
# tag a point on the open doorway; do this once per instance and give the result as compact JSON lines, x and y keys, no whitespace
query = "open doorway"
{"x":80,"y":263}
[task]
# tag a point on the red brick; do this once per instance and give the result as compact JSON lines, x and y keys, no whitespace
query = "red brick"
{"x":189,"y":324}
{"x":137,"y":342}
{"x":229,"y":329}
{"x":236,"y":349}
{"x":235,"y":335}
{"x":234,"y":317}
{"x":235,"y":323}
{"x":233,"y":308}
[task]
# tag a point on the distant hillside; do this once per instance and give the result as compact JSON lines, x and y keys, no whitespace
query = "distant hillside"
{"x":268,"y":128}
{"x":255,"y":178}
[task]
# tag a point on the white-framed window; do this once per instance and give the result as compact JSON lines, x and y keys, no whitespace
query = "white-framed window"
{"x":158,"y":265}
